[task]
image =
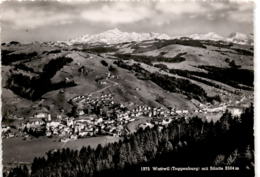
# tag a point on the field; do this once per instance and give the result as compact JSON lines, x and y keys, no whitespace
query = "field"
{"x":19,"y":150}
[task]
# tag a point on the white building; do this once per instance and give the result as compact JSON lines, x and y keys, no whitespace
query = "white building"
{"x":235,"y":111}
{"x":40,"y":115}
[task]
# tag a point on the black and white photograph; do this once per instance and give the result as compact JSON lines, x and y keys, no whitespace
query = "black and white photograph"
{"x":127,"y":88}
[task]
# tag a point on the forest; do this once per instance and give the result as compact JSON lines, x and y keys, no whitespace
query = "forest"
{"x":233,"y":76}
{"x":185,"y":142}
{"x":8,"y":57}
{"x":169,"y":83}
{"x":99,"y":49}
{"x":160,"y":43}
{"x":32,"y":85}
{"x":149,"y":59}
{"x":182,"y":86}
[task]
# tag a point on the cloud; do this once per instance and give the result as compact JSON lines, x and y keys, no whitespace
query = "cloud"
{"x":214,"y":10}
{"x":243,"y":14}
{"x":241,"y":17}
{"x":180,"y":7}
{"x":32,"y":18}
{"x":37,"y":14}
{"x":173,"y":17}
{"x":117,"y":13}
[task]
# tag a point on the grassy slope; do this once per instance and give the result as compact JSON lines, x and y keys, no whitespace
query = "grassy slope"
{"x":18,"y":150}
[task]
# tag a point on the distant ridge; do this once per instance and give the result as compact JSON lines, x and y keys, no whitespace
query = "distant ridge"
{"x":235,"y":37}
{"x":241,"y":38}
{"x":115,"y":36}
{"x":208,"y":36}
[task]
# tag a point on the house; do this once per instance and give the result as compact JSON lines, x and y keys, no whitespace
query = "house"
{"x":49,"y":117}
{"x":185,"y":111}
{"x":53,"y":124}
{"x":235,"y":110}
{"x":103,"y":83}
{"x":80,"y":112}
{"x":5,"y":129}
{"x":40,"y":115}
{"x":166,"y":122}
{"x":11,"y":135}
{"x":64,"y":140}
{"x":73,"y":137}
{"x":48,"y":133}
{"x":83,"y":134}
{"x":178,"y":111}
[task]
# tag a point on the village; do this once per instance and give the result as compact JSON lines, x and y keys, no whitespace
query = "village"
{"x":101,"y":115}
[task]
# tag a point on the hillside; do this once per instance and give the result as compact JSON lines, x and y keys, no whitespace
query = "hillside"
{"x":178,"y":73}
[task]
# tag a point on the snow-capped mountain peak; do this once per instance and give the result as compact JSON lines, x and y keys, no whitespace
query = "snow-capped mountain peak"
{"x":115,"y":31}
{"x":114,"y":36}
{"x":208,"y":36}
{"x":241,"y":38}
{"x":235,"y":37}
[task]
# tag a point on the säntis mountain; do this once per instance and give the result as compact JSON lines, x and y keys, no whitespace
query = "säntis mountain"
{"x":115,"y":36}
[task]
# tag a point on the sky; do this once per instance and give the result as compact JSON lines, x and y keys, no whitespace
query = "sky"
{"x":28,"y":21}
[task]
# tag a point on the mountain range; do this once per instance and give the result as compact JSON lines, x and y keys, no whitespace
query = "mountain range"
{"x":235,"y":37}
{"x":115,"y":36}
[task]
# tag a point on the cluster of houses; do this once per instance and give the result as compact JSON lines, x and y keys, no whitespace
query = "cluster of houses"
{"x":103,"y":105}
{"x":102,"y":116}
{"x":160,"y":122}
{"x":6,"y":132}
{"x":86,"y":126}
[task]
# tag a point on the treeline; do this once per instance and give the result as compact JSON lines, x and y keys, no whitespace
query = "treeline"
{"x":219,"y":44}
{"x":8,"y":57}
{"x":185,"y":142}
{"x":182,"y":86}
{"x":157,"y":44}
{"x":100,"y":49}
{"x":244,"y":52}
{"x":52,"y":51}
{"x":31,"y":85}
{"x":190,"y":75}
{"x":170,"y":83}
{"x":231,"y":76}
{"x":149,"y":59}
{"x":186,"y":42}
{"x":140,"y":72}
